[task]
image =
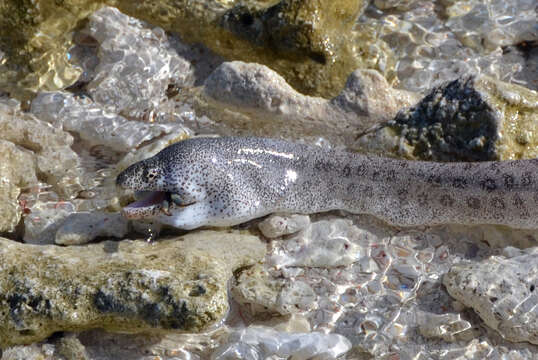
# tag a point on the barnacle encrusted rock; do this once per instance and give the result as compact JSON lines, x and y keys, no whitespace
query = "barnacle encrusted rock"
{"x":502,"y":291}
{"x":469,"y":119}
{"x":127,"y":286}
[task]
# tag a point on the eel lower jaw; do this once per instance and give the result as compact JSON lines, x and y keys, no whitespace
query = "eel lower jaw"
{"x":151,"y":204}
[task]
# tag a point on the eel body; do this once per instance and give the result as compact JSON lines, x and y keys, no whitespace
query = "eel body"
{"x":230,"y":180}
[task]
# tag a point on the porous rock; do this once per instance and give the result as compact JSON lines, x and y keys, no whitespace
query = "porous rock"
{"x":502,"y":291}
{"x":82,"y":227}
{"x":136,"y":64}
{"x":468,"y":119}
{"x":258,"y":101}
{"x":260,"y":292}
{"x":128,"y":286}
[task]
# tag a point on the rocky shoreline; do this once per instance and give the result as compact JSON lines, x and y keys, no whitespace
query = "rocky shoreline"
{"x":421,"y":80}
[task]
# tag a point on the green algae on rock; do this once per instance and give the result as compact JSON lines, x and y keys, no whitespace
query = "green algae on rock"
{"x":470,"y":119}
{"x":127,"y":286}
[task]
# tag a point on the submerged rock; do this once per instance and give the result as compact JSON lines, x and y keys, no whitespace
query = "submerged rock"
{"x":275,"y":226}
{"x":502,"y":291}
{"x":83,"y":227}
{"x":449,"y":327}
{"x":36,"y":37}
{"x":127,"y":286}
{"x":95,"y":125}
{"x":246,"y":98}
{"x":258,"y":342}
{"x":32,"y":150}
{"x":470,"y":119}
{"x":17,"y":167}
{"x":136,"y":65}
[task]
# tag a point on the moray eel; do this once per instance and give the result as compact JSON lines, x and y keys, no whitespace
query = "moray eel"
{"x":229,"y":180}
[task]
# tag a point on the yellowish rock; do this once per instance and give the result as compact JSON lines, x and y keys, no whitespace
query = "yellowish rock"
{"x":178,"y":284}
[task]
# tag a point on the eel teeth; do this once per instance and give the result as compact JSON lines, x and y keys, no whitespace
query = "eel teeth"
{"x":165,"y":208}
{"x":176,"y":199}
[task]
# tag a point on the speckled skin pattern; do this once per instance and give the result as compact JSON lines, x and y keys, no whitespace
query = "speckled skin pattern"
{"x":229,"y":180}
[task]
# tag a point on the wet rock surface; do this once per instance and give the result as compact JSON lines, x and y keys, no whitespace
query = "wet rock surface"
{"x":506,"y":303}
{"x":259,"y":342}
{"x":127,"y":286}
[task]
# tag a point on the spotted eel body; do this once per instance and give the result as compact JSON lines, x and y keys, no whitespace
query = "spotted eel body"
{"x":230,"y":180}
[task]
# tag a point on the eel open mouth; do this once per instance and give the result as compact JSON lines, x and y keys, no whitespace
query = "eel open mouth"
{"x":151,"y":203}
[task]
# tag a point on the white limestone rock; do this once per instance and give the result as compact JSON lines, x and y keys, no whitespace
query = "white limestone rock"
{"x":502,"y":291}
{"x":82,"y":227}
{"x":257,"y":342}
{"x":136,"y":65}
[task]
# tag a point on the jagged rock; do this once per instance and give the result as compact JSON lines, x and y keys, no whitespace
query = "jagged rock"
{"x":30,"y":150}
{"x":127,"y":286}
{"x":502,"y":291}
{"x":470,"y":119}
{"x":136,"y":65}
{"x":55,"y":161}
